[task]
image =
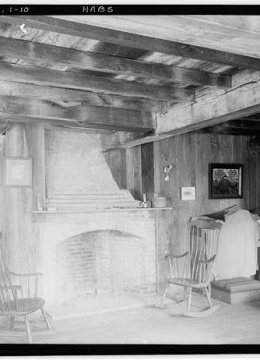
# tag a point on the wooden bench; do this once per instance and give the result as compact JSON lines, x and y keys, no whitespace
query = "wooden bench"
{"x":236,"y":290}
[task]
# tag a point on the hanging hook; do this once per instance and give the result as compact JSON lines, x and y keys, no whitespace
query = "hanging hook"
{"x":167,"y":169}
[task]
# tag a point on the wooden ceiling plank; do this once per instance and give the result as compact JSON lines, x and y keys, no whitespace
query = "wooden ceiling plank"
{"x":234,"y":127}
{"x":243,"y":124}
{"x":83,"y":115}
{"x":85,"y":97}
{"x":22,"y":49}
{"x":251,"y":119}
{"x":134,"y":40}
{"x":228,"y":131}
{"x":69,"y":80}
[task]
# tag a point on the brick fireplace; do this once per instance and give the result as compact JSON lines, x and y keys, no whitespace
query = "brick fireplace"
{"x":89,"y":253}
{"x":89,"y":237}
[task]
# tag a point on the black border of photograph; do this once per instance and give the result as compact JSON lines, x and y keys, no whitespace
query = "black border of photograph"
{"x":225,"y":187}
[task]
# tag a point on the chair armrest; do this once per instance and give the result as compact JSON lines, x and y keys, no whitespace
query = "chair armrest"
{"x":176,"y":256}
{"x":207,"y":261}
{"x":180,"y":256}
{"x":6,"y":287}
{"x":178,"y":264}
{"x":29,"y":274}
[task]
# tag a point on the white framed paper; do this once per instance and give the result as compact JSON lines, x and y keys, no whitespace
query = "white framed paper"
{"x":187,"y":193}
{"x":17,"y":172}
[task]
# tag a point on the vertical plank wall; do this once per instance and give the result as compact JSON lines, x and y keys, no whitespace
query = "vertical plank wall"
{"x":116,"y":160}
{"x":17,"y":204}
{"x":134,"y":172}
{"x":190,"y":155}
{"x":254,"y":175}
{"x":35,"y":139}
{"x":23,"y":141}
{"x":147,"y":165}
{"x":2,"y":212}
{"x":254,"y":171}
{"x":133,"y":169}
{"x":126,"y":168}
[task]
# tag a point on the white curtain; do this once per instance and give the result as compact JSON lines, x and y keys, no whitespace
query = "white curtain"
{"x":237,"y":248}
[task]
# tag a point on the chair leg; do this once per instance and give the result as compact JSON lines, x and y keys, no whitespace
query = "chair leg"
{"x":209,"y":289}
{"x":208,"y":294}
{"x":46,"y":317}
{"x":28,"y":330}
{"x":159,"y":303}
{"x":12,"y":321}
{"x":184,"y":292}
{"x":189,"y":299}
{"x":164,"y":294}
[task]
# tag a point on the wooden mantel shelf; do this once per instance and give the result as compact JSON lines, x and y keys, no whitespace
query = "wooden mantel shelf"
{"x":104,"y":210}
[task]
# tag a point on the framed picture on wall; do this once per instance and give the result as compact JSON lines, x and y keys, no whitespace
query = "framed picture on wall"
{"x":17,"y":172}
{"x":187,"y":193}
{"x":225,"y":181}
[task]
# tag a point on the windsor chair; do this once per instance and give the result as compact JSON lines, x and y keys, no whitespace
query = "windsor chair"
{"x":19,"y":295}
{"x":192,"y":269}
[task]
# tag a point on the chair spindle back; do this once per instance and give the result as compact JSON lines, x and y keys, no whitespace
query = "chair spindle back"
{"x":203,"y":249}
{"x":8,"y":294}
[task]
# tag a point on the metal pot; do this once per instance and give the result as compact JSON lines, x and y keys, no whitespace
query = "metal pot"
{"x":160,"y":202}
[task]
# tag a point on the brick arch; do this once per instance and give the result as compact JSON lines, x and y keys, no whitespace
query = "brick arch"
{"x":99,"y":261}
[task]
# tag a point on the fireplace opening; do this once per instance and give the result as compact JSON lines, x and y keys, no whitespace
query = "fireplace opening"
{"x":103,"y":261}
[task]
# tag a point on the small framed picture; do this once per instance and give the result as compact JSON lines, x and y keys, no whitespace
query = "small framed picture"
{"x":17,"y":172}
{"x":225,"y":181}
{"x":187,"y":193}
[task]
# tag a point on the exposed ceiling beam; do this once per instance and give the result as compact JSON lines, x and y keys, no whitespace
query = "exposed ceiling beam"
{"x":67,"y":96}
{"x":211,"y":109}
{"x":71,"y":80}
{"x":22,"y":49}
{"x":133,"y":40}
{"x":53,"y":123}
{"x":83,"y":115}
{"x":216,"y":107}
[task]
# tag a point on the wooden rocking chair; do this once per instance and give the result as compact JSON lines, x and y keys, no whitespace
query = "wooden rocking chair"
{"x":192,"y":269}
{"x":19,"y":299}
